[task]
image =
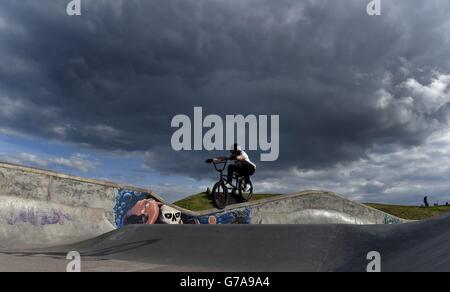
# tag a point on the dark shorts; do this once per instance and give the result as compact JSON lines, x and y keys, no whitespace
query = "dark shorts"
{"x":242,"y":168}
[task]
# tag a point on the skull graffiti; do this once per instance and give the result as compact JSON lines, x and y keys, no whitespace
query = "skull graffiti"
{"x":169,"y":215}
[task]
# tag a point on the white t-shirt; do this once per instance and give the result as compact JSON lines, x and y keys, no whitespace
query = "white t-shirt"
{"x":247,"y":158}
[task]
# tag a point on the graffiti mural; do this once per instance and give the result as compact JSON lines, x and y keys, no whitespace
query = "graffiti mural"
{"x":145,"y":211}
{"x":391,"y":220}
{"x":141,"y":208}
{"x":170,"y":215}
{"x":125,"y":201}
{"x":37,"y":218}
{"x":134,"y":207}
{"x":241,"y":216}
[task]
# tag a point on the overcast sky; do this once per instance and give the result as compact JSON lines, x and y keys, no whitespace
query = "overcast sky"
{"x":364,"y":102}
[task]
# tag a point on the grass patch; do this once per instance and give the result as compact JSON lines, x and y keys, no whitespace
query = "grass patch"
{"x":411,"y":212}
{"x":203,"y":201}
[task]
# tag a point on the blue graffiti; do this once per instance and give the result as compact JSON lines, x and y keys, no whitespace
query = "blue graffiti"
{"x":242,"y":216}
{"x":391,"y":220}
{"x":39,"y":218}
{"x":125,"y":200}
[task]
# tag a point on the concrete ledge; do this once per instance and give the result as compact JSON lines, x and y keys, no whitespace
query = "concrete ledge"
{"x":307,"y":207}
{"x":52,"y":208}
{"x":54,"y":174}
{"x":30,"y":223}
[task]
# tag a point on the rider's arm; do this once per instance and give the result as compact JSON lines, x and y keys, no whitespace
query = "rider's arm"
{"x":220,"y":159}
{"x":240,"y":158}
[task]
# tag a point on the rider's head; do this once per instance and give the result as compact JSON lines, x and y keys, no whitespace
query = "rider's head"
{"x":236,"y":149}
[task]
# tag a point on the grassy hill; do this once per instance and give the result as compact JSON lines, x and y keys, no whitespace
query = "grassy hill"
{"x":411,"y":212}
{"x":203,"y":201}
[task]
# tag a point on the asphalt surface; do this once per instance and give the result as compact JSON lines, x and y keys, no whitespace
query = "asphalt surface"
{"x":418,"y":246}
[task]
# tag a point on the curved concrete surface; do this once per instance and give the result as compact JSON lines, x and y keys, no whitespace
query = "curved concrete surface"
{"x":308,"y":207}
{"x":43,"y":208}
{"x":31,"y":223}
{"x":326,"y":232}
{"x":417,"y":246}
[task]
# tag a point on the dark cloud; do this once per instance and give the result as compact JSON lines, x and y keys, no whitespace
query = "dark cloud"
{"x":113,"y":78}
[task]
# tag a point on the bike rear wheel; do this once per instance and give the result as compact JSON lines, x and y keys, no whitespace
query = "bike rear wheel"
{"x":245,"y":190}
{"x":220,"y":195}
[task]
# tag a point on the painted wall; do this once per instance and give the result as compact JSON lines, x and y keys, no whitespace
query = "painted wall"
{"x":26,"y":223}
{"x":134,"y":207}
{"x":40,"y":207}
{"x":29,"y":183}
{"x":310,"y":207}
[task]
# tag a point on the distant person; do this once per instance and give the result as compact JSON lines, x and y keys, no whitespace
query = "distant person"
{"x":425,"y":202}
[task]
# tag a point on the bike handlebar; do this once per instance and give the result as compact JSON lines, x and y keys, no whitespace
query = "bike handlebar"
{"x":224,"y":162}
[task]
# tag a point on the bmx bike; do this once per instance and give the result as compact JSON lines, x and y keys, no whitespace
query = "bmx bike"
{"x":241,"y":188}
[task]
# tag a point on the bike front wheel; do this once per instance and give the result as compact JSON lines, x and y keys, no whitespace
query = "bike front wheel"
{"x":220,"y":195}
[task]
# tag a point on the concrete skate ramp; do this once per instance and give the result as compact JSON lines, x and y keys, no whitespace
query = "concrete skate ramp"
{"x":44,"y":208}
{"x":32,"y":223}
{"x":41,"y":208}
{"x":418,"y":246}
{"x":308,"y":207}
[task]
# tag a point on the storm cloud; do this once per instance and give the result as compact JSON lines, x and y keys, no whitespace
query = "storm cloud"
{"x":344,"y":84}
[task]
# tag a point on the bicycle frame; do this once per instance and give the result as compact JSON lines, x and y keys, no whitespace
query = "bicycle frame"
{"x":224,"y":177}
{"x":221,"y":190}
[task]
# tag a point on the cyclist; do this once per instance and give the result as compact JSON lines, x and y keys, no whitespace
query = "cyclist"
{"x":242,"y":165}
